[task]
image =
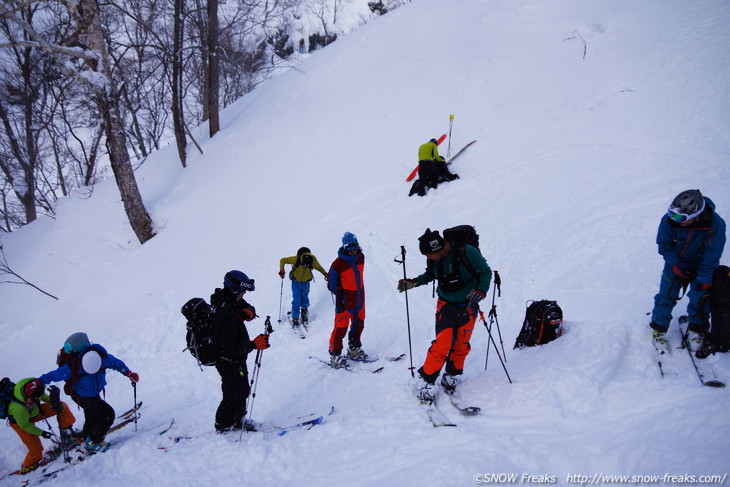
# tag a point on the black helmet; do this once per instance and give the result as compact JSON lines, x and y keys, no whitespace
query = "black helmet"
{"x":687,"y":205}
{"x":303,"y":250}
{"x":237,"y":282}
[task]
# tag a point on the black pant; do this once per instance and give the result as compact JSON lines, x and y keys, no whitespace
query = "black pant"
{"x":98,"y":418}
{"x":235,"y":387}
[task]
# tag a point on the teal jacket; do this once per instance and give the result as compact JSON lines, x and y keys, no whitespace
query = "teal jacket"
{"x":452,"y":273}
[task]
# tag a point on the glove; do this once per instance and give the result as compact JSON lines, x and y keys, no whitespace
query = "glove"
{"x":327,"y":278}
{"x":54,"y":393}
{"x":685,"y":271}
{"x":46,"y":434}
{"x":132,"y":376}
{"x":246,"y":314}
{"x":261,"y":342}
{"x":475,"y":296}
{"x":406,"y":284}
{"x":282,"y":273}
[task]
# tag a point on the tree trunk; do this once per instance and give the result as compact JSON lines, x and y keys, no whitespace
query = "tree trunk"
{"x":106,"y":98}
{"x":213,"y":68}
{"x":178,"y":117}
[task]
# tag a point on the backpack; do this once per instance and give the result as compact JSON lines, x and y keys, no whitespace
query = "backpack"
{"x":460,"y":235}
{"x":720,"y":306}
{"x":7,"y":396}
{"x":200,"y":337}
{"x":543,"y":324}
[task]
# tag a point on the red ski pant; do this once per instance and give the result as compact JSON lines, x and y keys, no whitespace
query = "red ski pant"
{"x":355,"y":319}
{"x":454,"y":326}
{"x":33,"y":442}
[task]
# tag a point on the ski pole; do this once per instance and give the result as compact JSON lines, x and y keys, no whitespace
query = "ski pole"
{"x":408,"y":315}
{"x":134,"y":389}
{"x":491,"y":339}
{"x":493,"y":316}
{"x":451,"y":123}
{"x":257,"y":367}
{"x":281,"y":297}
{"x":66,"y":455}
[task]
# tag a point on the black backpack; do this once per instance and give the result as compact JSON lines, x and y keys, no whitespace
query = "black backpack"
{"x":7,"y":388}
{"x":720,"y":307}
{"x":543,"y":324}
{"x":462,"y":234}
{"x":200,"y":337}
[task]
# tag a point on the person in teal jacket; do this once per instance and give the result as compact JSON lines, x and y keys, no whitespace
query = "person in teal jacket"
{"x":691,"y":239}
{"x":29,"y":405}
{"x":463,"y":279}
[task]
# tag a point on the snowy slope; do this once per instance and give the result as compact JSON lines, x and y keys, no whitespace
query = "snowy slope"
{"x":589,"y":118}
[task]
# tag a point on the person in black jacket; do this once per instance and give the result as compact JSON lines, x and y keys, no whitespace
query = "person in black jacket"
{"x":231,"y":312}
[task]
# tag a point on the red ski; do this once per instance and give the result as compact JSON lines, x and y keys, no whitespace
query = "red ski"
{"x":415,"y":171}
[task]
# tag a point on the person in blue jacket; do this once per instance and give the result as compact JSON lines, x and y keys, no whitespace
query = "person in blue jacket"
{"x":85,"y":369}
{"x":691,"y":239}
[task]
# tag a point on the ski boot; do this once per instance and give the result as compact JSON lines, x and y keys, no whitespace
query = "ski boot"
{"x":305,"y":316}
{"x":337,"y":361}
{"x":92,"y":448}
{"x":356,"y":353}
{"x":424,"y":390}
{"x":694,"y":340}
{"x":295,"y":322}
{"x":449,"y":383}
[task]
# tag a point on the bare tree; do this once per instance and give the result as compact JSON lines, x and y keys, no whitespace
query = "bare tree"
{"x":100,"y":81}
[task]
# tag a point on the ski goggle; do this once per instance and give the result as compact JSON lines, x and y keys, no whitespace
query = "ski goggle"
{"x":677,"y":217}
{"x":680,"y":217}
{"x":352,"y":247}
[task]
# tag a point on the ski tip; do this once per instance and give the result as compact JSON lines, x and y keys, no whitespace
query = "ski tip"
{"x":714,"y":383}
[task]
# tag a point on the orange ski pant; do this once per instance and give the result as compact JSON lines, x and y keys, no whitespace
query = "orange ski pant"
{"x":355,"y":319}
{"x":454,"y":326}
{"x":33,"y":442}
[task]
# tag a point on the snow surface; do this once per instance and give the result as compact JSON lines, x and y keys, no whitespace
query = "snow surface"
{"x":589,"y":116}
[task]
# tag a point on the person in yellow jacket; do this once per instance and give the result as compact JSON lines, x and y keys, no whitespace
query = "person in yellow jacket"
{"x":432,"y":168}
{"x":31,"y":404}
{"x":300,"y":275}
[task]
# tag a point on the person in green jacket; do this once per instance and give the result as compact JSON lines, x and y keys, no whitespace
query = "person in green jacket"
{"x":300,"y":275}
{"x":31,"y":404}
{"x":463,"y":280}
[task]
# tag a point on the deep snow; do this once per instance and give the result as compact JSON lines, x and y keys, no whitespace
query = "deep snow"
{"x":578,"y":156}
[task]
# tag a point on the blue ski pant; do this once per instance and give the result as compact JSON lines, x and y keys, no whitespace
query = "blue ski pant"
{"x":670,"y":289}
{"x":299,"y":297}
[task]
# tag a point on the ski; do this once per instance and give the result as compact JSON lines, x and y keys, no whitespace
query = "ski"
{"x":705,"y":373}
{"x":123,"y":423}
{"x":459,"y":152}
{"x":437,"y":418}
{"x":129,"y":412}
{"x":413,"y":173}
{"x":349,"y":362}
{"x":662,"y":350}
{"x":300,"y":329}
{"x":455,"y":400}
{"x":307,"y":424}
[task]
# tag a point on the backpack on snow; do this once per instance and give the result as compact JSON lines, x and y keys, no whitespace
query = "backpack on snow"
{"x":7,"y":388}
{"x":720,"y":307}
{"x":200,"y":338}
{"x":543,"y":324}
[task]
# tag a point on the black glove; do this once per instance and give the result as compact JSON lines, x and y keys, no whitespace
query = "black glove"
{"x":46,"y":434}
{"x":475,"y":296}
{"x":54,"y":393}
{"x":406,"y":284}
